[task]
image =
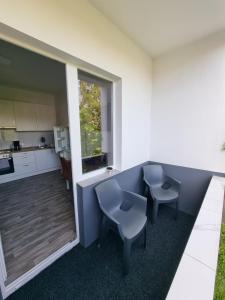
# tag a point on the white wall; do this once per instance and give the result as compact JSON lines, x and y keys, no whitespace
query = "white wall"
{"x":188,"y":105}
{"x":77,"y":28}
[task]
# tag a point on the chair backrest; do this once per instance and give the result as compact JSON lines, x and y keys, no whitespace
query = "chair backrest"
{"x":154,"y":174}
{"x":109,"y":195}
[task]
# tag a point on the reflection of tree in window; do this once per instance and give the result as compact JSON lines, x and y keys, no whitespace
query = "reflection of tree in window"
{"x":90,"y":118}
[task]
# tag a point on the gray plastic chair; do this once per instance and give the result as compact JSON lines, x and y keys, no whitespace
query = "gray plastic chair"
{"x":124,"y":211}
{"x":163,"y":189}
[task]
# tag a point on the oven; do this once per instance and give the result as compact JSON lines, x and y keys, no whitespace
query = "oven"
{"x":6,"y":163}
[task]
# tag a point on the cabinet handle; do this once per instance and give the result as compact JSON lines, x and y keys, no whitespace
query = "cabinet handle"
{"x":26,"y":165}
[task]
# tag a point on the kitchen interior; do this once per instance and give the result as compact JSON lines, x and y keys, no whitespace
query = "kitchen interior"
{"x":36,"y":200}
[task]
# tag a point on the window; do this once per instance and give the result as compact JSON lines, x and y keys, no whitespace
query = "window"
{"x":95,"y":122}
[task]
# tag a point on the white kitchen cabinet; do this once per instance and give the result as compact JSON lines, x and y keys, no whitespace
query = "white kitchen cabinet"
{"x":47,"y":159}
{"x":24,"y":162}
{"x":25,"y":113}
{"x":30,"y":163}
{"x":46,"y":118}
{"x":34,"y":117}
{"x":7,"y":117}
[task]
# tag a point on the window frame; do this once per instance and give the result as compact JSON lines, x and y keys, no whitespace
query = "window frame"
{"x":73,"y":97}
{"x":108,"y":85}
{"x":72,"y":63}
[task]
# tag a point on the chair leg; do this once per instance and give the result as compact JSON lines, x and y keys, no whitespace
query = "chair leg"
{"x":126,"y":256}
{"x":176,"y":210}
{"x":145,"y":236}
{"x":102,"y":231}
{"x":149,"y":205}
{"x":155,"y":211}
{"x":146,"y":191}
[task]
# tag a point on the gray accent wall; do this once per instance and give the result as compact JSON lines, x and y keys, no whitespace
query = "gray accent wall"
{"x":194,"y":186}
{"x":88,"y":208}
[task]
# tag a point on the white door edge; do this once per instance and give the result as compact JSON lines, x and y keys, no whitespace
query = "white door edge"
{"x":16,"y":284}
{"x":2,"y":261}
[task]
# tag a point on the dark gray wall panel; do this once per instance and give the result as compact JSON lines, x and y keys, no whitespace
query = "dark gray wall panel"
{"x":88,"y":208}
{"x":194,"y":186}
{"x":132,"y":179}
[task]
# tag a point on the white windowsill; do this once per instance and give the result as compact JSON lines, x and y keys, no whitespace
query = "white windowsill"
{"x":94,"y":177}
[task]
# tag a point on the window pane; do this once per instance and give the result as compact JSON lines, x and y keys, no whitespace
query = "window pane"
{"x":95,"y":123}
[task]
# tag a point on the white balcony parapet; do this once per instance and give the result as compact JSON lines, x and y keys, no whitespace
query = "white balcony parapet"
{"x":196,"y":273}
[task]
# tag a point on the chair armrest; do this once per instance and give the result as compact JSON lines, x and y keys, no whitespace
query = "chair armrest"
{"x":137,"y":200}
{"x":110,"y":217}
{"x":173,"y":181}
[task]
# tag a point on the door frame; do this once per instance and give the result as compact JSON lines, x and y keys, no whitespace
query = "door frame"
{"x":73,"y":112}
{"x":2,"y":260}
{"x":72,"y":64}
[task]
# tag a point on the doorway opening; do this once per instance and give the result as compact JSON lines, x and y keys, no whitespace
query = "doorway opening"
{"x":37,"y":215}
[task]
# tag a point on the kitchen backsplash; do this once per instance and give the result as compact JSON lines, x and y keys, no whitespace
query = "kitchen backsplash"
{"x":27,"y":139}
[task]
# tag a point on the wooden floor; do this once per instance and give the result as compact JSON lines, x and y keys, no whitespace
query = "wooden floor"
{"x":36,"y":219}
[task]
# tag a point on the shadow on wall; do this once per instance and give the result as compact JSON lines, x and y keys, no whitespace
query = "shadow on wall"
{"x":88,"y":208}
{"x":194,"y":186}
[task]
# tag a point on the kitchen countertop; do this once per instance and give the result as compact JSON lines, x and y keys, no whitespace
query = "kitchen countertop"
{"x":27,"y":149}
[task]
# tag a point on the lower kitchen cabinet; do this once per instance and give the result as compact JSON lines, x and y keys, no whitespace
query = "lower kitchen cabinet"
{"x":24,"y":162}
{"x":32,"y":163}
{"x":46,"y":159}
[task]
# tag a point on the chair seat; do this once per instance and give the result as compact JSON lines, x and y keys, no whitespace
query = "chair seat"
{"x":125,"y":211}
{"x":131,"y":221}
{"x":165,"y":194}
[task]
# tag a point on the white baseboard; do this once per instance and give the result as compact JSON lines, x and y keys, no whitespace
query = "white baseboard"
{"x":13,"y":177}
{"x":2,"y":260}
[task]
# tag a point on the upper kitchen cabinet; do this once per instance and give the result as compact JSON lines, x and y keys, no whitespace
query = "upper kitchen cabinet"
{"x":25,"y":113}
{"x":34,"y":117}
{"x":7,"y":117}
{"x":46,"y":118}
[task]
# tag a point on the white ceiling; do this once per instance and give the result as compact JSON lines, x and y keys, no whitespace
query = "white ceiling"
{"x":22,"y":68}
{"x":162,"y":25}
